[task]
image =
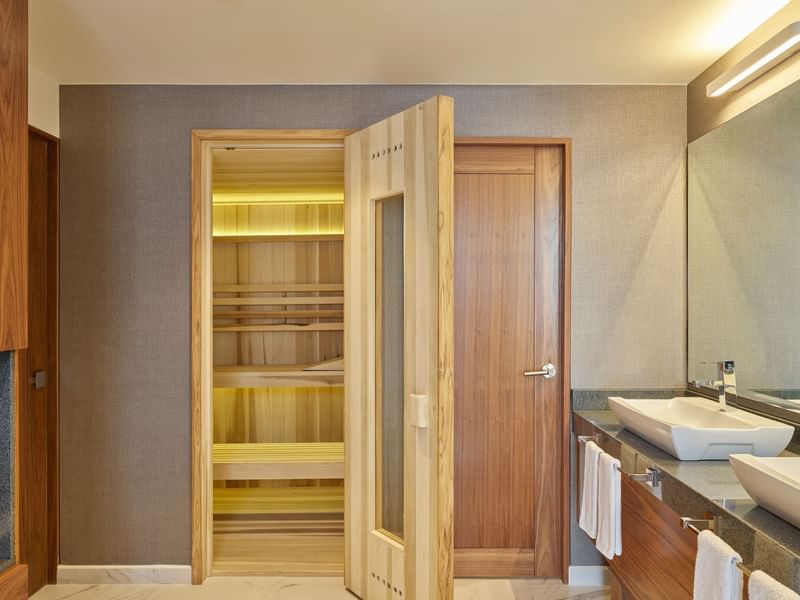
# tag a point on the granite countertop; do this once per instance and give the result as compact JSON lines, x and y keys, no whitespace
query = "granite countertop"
{"x":695,"y":488}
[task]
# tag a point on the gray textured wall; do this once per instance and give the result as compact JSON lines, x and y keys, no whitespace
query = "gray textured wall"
{"x":125,"y":421}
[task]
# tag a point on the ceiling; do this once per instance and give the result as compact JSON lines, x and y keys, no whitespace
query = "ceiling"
{"x":287,"y":174}
{"x":377,"y":41}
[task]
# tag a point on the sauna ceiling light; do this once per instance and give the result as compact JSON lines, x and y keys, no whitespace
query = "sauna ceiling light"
{"x":273,"y":198}
{"x":758,"y":62}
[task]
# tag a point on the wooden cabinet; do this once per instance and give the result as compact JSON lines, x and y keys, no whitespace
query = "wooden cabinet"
{"x":13,"y":173}
{"x":657,"y":561}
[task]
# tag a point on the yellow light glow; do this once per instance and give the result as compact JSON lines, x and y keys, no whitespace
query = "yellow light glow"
{"x":741,"y":18}
{"x":279,"y":198}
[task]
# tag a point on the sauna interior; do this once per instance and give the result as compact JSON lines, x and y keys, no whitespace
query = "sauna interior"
{"x":278,"y":352}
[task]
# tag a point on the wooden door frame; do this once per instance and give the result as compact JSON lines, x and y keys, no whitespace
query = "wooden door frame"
{"x":203,"y":142}
{"x":566,"y":294}
{"x":52,"y":370}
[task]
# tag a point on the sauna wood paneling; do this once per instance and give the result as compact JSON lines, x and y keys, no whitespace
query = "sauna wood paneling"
{"x":278,"y":262}
{"x":657,"y":561}
{"x":14,"y":174}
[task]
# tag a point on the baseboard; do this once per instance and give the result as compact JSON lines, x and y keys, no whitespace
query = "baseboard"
{"x":589,"y":576}
{"x":99,"y":574}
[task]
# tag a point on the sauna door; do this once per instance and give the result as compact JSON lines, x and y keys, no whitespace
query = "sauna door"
{"x":399,"y":349}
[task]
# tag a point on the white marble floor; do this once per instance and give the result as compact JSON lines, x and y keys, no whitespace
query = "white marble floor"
{"x":319,"y":588}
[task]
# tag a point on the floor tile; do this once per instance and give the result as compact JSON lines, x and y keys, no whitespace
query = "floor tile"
{"x":311,"y":588}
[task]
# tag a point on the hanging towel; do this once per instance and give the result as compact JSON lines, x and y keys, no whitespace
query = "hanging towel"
{"x":715,"y":574}
{"x":763,"y":587}
{"x":609,"y":507}
{"x":588,"y":515}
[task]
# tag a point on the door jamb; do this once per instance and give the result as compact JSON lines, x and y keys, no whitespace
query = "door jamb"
{"x":51,"y":368}
{"x":205,"y":140}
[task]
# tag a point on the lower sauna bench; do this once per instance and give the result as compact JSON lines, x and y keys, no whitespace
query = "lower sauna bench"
{"x":305,"y":500}
{"x":287,"y":530}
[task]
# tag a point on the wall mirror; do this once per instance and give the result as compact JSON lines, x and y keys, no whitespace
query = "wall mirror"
{"x":744,"y":254}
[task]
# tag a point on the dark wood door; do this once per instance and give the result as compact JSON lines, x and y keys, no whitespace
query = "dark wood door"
{"x":38,"y":385}
{"x":508,"y":320}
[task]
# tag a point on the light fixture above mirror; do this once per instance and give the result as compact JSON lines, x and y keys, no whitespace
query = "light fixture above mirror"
{"x":758,"y":62}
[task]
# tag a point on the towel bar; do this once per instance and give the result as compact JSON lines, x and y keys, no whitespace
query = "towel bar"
{"x":652,"y":476}
{"x":689,"y":523}
{"x":585,"y":439}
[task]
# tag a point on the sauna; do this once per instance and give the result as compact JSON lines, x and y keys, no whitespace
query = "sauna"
{"x":332,"y":434}
{"x":278,"y":359}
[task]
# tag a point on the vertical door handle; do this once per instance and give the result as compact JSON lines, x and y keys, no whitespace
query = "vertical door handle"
{"x":548,"y":372}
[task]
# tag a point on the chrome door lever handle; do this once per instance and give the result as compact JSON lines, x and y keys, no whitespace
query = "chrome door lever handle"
{"x":548,"y":372}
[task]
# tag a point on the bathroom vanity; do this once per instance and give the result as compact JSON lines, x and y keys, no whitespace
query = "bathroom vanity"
{"x":658,"y":552}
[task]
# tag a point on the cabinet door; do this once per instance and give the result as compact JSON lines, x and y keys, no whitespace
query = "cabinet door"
{"x":399,"y":349}
{"x":13,"y":174}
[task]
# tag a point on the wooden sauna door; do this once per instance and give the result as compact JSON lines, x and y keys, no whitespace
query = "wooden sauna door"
{"x":398,"y":344}
{"x":508,"y":320}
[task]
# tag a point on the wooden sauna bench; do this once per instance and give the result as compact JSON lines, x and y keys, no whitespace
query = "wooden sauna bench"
{"x":306,"y":460}
{"x":250,"y":501}
{"x":326,"y":373}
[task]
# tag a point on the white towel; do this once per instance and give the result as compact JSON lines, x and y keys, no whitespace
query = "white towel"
{"x":609,"y":507}
{"x":588,"y":515}
{"x":764,"y":587}
{"x":715,"y":574}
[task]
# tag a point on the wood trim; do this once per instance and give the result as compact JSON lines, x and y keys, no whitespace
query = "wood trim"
{"x":14,"y":178}
{"x":266,"y":135}
{"x":14,"y":583}
{"x":548,"y":463}
{"x":446,"y":379}
{"x":43,"y":135}
{"x":200,"y":547}
{"x":512,"y":141}
{"x":37,"y":533}
{"x":566,"y":357}
{"x":502,"y":160}
{"x":203,"y":141}
{"x":477,"y":562}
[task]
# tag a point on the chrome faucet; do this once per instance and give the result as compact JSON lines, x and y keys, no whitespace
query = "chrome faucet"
{"x":726,"y":382}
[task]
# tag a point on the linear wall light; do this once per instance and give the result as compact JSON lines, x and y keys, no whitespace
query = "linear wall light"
{"x":275,"y":198}
{"x":758,"y":62}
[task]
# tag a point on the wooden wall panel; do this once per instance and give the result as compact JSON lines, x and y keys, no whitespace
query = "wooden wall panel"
{"x":14,"y":583}
{"x":13,"y":174}
{"x":657,"y":561}
{"x":494,"y":345}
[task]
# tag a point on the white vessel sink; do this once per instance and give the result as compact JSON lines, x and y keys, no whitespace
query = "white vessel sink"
{"x":695,"y":428}
{"x":774,"y":483}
